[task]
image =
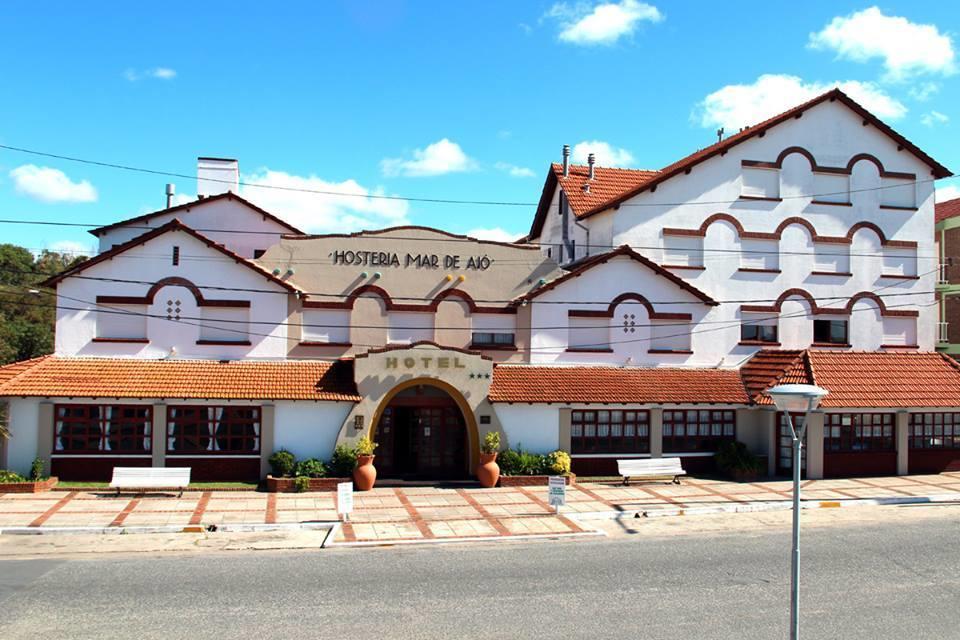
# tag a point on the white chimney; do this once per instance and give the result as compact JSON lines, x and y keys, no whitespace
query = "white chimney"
{"x":217,"y":175}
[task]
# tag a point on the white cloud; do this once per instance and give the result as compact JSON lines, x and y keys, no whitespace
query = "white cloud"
{"x":72,"y":247}
{"x":494,"y":233}
{"x":948,"y":192}
{"x":51,"y":185}
{"x":318,"y":213}
{"x":514,"y":171}
{"x":932,"y":118}
{"x":923,"y":91}
{"x":159,"y":73}
{"x":743,"y":105}
{"x":606,"y":154}
{"x":907,"y":48}
{"x":604,"y":23}
{"x":443,"y":156}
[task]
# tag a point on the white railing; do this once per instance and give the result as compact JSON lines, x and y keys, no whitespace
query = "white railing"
{"x":942,"y":273}
{"x":943,"y":332}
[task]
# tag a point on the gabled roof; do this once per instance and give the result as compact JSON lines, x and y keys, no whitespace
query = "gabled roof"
{"x":947,"y":209}
{"x":191,"y":205}
{"x":684,"y":165}
{"x":579,"y":268}
{"x":529,"y":384}
{"x":172,"y":226}
{"x":857,"y":379}
{"x":52,"y":377}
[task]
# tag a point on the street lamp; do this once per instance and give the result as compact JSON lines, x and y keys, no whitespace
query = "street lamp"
{"x":794,"y":398}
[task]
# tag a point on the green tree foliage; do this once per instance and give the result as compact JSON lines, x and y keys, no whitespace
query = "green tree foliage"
{"x":27,"y":320}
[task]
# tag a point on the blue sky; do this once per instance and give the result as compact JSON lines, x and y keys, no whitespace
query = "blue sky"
{"x":426,"y":99}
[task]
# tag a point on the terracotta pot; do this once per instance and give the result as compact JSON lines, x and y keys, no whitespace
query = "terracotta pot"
{"x":489,"y":471}
{"x":365,"y":475}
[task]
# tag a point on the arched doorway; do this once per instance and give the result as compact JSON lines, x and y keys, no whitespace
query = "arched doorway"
{"x":422,"y":433}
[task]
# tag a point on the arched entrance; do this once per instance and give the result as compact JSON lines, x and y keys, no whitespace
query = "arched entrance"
{"x":422,"y":433}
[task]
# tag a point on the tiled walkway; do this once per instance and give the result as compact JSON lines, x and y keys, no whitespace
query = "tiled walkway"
{"x":423,"y":513}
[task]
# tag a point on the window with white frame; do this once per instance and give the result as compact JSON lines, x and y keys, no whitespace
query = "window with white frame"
{"x":122,"y":321}
{"x":670,"y":335}
{"x":899,"y":262}
{"x":213,"y":430}
{"x":898,"y":192}
{"x":831,"y":187}
{"x":407,"y":327}
{"x":758,"y":182}
{"x":225,"y":324}
{"x":682,"y":251}
{"x":95,"y":428}
{"x":494,"y":329}
{"x":698,"y":429}
{"x":829,"y":257}
{"x":760,"y":328}
{"x":588,"y":334}
{"x":326,"y":326}
{"x":899,"y":332}
{"x":759,"y":254}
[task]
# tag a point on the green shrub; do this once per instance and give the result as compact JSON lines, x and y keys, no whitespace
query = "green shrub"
{"x":36,"y":469}
{"x":343,"y":462}
{"x":365,"y":446}
{"x":491,"y":442}
{"x":517,"y":462}
{"x":311,"y":468}
{"x":558,"y":463}
{"x":509,"y":462}
{"x":282,"y":463}
{"x":10,"y":476}
{"x":735,"y":457}
{"x":301,"y":484}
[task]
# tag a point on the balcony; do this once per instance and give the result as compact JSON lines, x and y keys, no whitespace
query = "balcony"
{"x":943,"y":334}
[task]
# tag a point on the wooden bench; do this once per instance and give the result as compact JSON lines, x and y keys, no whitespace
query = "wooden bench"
{"x":647,"y":468}
{"x":150,"y":478}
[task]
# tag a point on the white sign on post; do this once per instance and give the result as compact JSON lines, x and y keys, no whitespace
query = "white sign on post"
{"x":345,"y":499}
{"x":557,"y":491}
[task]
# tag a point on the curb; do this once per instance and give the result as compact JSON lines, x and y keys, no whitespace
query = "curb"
{"x":226,"y":528}
{"x":329,"y":542}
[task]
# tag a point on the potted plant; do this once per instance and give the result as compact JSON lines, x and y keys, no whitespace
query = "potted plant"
{"x":736,"y":461}
{"x":488,"y":473}
{"x":365,"y":475}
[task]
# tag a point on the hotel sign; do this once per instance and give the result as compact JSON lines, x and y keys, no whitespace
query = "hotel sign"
{"x":407,"y":260}
{"x":424,"y":362}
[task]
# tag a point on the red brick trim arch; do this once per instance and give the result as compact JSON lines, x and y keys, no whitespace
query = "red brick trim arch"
{"x":172,"y":281}
{"x":652,"y":313}
{"x":818,"y":310}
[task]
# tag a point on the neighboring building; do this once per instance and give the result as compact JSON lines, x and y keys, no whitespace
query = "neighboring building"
{"x":645,"y":314}
{"x":948,"y":277}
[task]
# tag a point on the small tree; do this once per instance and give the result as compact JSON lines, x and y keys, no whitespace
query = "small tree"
{"x":491,"y":442}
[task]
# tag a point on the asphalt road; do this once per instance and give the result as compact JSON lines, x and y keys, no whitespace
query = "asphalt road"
{"x":893,"y":580}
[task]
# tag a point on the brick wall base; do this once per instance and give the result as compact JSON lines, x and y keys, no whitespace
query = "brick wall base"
{"x":532,"y":481}
{"x":287,"y":485}
{"x":29,"y":487}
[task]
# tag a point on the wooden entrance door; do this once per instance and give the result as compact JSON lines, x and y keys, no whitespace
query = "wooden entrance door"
{"x":425,"y":439}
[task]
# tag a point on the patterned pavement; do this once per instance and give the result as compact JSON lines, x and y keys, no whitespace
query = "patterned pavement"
{"x":434,"y":513}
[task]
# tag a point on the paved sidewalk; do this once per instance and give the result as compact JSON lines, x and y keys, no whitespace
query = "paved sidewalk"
{"x":387,"y":515}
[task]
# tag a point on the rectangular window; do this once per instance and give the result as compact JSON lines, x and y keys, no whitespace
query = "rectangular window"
{"x":122,"y":321}
{"x":898,"y":192}
{"x":899,"y":262}
{"x":935,"y":430}
{"x":225,"y":324}
{"x":176,"y":256}
{"x":757,"y":182}
{"x":698,"y":429}
{"x":830,"y":332}
{"x":492,"y":339}
{"x":407,"y":327}
{"x":497,"y":329}
{"x":95,"y":428}
{"x":831,"y":258}
{"x":588,"y":334}
{"x":668,"y":336}
{"x":612,"y":431}
{"x":213,"y":430}
{"x":326,"y":325}
{"x":831,"y":187}
{"x":682,"y":251}
{"x":858,"y":432}
{"x":758,"y":333}
{"x":759,"y":255}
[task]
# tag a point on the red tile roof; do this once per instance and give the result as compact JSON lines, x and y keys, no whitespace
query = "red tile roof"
{"x":859,"y":379}
{"x":948,"y":209}
{"x":529,"y":383}
{"x":173,"y":225}
{"x":687,"y":163}
{"x":192,"y":205}
{"x":52,"y":376}
{"x":578,"y":268}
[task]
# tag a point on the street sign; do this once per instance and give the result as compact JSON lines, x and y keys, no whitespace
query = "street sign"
{"x":345,"y":499}
{"x":557,"y":491}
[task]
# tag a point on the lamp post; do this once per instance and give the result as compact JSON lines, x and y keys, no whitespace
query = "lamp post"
{"x":794,"y":398}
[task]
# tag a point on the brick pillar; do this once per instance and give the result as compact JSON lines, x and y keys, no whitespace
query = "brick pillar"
{"x":814,"y":446}
{"x":158,"y":435}
{"x":564,"y":440}
{"x":45,"y":434}
{"x":903,"y":443}
{"x":267,"y":430}
{"x":656,"y":432}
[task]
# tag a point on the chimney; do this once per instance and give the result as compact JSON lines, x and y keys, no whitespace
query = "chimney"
{"x":566,"y":160}
{"x":217,"y":175}
{"x":171,"y":191}
{"x":590,"y":160}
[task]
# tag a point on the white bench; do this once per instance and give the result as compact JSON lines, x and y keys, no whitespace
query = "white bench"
{"x":646,"y":468}
{"x":150,"y":478}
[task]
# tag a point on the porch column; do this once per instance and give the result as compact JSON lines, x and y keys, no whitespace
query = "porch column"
{"x":45,"y":434}
{"x":814,"y":446}
{"x":656,"y":432}
{"x":4,"y":421}
{"x":564,"y":435}
{"x":267,"y":427}
{"x":158,"y":435}
{"x":903,"y":443}
{"x":773,"y":440}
